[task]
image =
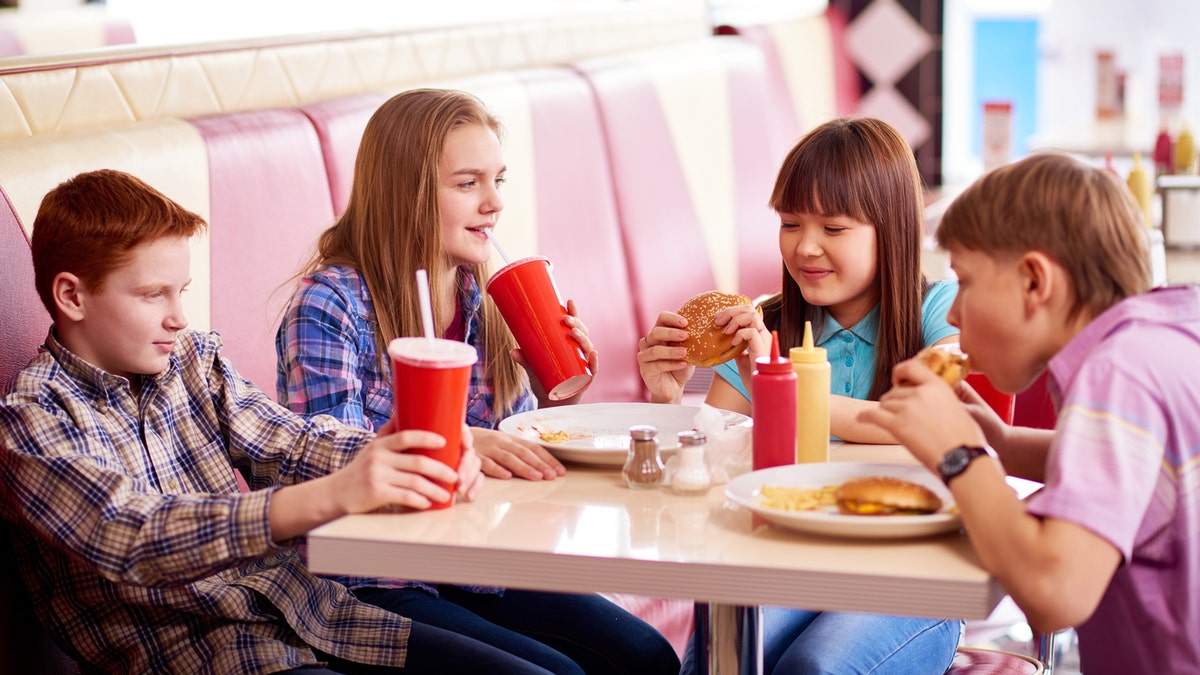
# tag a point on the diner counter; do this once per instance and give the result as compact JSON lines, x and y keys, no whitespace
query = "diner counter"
{"x":588,"y":532}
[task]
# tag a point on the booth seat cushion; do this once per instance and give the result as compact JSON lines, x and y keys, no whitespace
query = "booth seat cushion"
{"x":269,"y":203}
{"x":23,"y":319}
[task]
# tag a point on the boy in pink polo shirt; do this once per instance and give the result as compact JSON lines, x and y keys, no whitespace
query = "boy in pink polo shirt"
{"x":1053,"y":274}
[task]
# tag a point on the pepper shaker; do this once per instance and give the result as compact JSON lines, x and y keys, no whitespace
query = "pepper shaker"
{"x":643,"y":466}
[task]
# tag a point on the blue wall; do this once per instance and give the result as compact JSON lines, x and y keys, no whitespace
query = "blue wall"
{"x":1006,"y":56}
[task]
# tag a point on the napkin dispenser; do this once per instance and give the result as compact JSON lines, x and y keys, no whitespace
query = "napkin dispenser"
{"x":1181,"y":211}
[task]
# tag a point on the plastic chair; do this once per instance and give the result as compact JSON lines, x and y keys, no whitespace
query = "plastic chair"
{"x":976,"y":661}
{"x":1004,"y":404}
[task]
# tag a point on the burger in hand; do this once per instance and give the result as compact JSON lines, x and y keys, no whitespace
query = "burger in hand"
{"x":950,"y":364}
{"x":885,"y":496}
{"x":707,"y":344}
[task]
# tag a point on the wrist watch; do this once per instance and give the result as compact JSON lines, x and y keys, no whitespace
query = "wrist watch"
{"x":957,"y":460}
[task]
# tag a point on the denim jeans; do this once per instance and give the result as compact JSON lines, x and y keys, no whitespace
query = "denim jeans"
{"x":800,"y":642}
{"x":561,"y":632}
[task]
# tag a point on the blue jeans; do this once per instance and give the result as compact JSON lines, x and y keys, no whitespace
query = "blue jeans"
{"x":800,"y":642}
{"x":561,"y":632}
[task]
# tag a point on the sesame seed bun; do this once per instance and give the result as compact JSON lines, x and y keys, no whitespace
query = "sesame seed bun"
{"x":951,"y":366}
{"x":707,"y":345}
{"x":885,"y":496}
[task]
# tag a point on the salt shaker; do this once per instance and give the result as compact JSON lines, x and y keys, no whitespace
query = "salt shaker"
{"x":692,"y":477}
{"x":643,"y":466}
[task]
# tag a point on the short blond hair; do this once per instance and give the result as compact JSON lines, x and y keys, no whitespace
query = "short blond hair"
{"x":1082,"y":217}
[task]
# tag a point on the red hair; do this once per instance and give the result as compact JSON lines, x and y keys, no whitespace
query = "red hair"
{"x":88,"y":225}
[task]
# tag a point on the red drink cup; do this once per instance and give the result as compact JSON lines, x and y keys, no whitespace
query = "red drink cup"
{"x":431,"y":380}
{"x":1002,"y":403}
{"x":528,"y":300}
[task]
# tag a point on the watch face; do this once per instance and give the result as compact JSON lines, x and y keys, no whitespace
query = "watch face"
{"x":956,"y":461}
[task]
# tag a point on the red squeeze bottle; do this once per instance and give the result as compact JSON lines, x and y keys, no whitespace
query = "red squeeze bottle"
{"x":773,"y":407}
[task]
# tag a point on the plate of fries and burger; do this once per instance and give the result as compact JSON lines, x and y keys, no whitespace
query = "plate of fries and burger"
{"x":849,"y":499}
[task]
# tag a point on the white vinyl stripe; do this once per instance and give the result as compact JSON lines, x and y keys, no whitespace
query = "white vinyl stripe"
{"x":168,"y":154}
{"x":805,"y":48}
{"x":693,"y":89}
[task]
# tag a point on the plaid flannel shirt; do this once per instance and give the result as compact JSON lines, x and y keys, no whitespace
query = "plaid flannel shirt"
{"x":139,"y":552}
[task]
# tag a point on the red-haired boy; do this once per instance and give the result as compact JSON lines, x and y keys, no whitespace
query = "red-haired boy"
{"x":119,"y":446}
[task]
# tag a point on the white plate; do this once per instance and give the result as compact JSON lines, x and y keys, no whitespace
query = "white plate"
{"x":745,"y":490}
{"x":599,"y":432}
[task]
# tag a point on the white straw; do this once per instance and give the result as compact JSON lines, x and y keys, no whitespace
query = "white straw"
{"x":426,"y":307}
{"x":499,"y":248}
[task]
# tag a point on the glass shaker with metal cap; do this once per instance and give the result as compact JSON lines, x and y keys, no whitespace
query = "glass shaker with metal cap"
{"x":643,"y":466}
{"x":692,"y":476}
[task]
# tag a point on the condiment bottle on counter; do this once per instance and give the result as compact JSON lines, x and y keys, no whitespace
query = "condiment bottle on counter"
{"x":812,"y":399}
{"x":773,"y":406}
{"x":643,"y":466}
{"x":692,"y":477}
{"x":1164,"y":163}
{"x":1142,"y":187}
{"x":1185,"y":152}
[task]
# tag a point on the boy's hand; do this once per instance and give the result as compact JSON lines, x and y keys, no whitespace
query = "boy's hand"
{"x":384,"y":474}
{"x":924,"y":414}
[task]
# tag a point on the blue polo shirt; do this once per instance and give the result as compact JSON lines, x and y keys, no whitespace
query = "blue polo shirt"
{"x":851,"y":351}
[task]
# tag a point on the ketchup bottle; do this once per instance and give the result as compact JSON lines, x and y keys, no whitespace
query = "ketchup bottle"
{"x":773,"y":395}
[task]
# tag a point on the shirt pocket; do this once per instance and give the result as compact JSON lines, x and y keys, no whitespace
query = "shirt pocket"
{"x":377,"y":405}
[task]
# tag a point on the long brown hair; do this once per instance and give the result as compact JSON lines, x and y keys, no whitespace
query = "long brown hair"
{"x":1082,"y":216}
{"x":861,"y":168}
{"x":392,"y":224}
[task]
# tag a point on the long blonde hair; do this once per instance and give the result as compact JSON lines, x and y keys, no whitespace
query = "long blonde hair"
{"x":392,"y":224}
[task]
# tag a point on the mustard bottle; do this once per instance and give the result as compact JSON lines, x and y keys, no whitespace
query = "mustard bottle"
{"x":1140,"y":185}
{"x":812,"y":399}
{"x":1185,"y":152}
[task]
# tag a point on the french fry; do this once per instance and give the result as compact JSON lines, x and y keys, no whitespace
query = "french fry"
{"x":797,"y":499}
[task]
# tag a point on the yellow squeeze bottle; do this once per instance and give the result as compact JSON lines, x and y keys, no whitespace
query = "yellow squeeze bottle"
{"x":1139,"y":184}
{"x":812,"y":399}
{"x":1185,"y":152}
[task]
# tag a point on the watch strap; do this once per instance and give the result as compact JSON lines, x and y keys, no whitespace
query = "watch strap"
{"x":957,"y":460}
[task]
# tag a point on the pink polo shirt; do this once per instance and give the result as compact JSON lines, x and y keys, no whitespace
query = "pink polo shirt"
{"x":1125,"y":464}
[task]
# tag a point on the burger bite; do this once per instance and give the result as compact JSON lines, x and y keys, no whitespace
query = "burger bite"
{"x":951,"y":366}
{"x":885,"y":496}
{"x":707,"y":345}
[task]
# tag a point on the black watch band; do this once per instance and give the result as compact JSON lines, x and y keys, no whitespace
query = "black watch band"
{"x":957,"y":460}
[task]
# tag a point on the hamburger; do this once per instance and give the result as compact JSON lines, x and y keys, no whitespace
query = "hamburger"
{"x":951,"y":365}
{"x":707,"y":345}
{"x":885,"y":496}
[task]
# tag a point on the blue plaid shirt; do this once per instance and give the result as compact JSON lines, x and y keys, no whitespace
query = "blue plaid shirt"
{"x":329,"y":364}
{"x":138,"y":550}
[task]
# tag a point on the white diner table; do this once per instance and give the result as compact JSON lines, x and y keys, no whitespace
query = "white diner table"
{"x":588,"y":532}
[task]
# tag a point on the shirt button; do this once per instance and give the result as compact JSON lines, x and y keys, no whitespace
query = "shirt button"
{"x":849,"y":361}
{"x":847,"y":387}
{"x":846,"y":337}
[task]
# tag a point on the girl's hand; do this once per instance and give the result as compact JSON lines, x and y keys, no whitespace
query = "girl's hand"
{"x":745,"y":323}
{"x":661,"y":359}
{"x":579,"y":332}
{"x":504,"y":455}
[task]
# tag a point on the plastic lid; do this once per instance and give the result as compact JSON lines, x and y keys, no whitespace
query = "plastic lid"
{"x":807,"y":353}
{"x":773,"y":363}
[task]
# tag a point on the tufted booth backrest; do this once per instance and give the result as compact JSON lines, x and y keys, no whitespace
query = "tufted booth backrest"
{"x":694,"y":149}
